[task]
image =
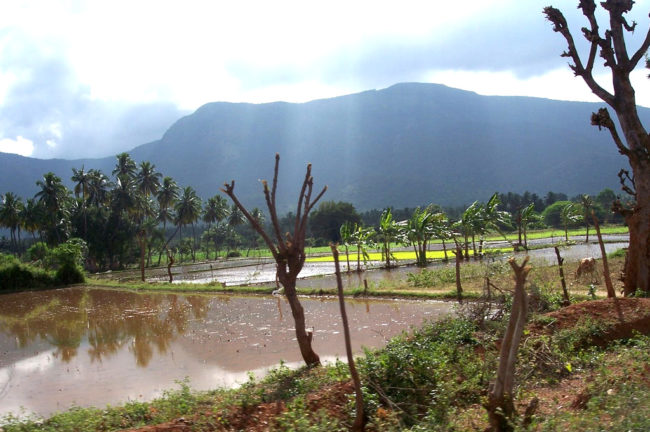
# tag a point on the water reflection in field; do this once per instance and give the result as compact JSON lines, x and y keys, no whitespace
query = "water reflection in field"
{"x":94,"y":347}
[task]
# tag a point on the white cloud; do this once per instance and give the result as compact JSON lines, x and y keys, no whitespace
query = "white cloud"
{"x":20,"y":145}
{"x":559,"y":84}
{"x":70,"y":70}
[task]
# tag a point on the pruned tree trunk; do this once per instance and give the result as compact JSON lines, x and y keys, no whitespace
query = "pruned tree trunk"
{"x":500,"y":405}
{"x":459,"y":289}
{"x":608,"y":279}
{"x":288,"y":250}
{"x":360,"y":418}
{"x":565,"y":293}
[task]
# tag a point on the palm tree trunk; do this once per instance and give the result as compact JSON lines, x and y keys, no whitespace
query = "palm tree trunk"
{"x":193,"y":244}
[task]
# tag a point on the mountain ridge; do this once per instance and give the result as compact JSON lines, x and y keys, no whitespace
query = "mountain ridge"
{"x":409,"y":144}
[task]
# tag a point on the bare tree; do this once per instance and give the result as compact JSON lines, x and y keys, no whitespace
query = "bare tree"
{"x":288,"y":249}
{"x":565,"y":294}
{"x":635,"y":143}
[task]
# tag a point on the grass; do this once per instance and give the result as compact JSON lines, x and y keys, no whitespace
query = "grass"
{"x":213,"y":287}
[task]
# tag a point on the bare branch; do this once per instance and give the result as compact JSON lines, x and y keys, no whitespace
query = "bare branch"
{"x":300,"y":198}
{"x":313,"y":203}
{"x":229,"y":189}
{"x":588,"y":9}
{"x":560,"y":25}
{"x":274,"y":216}
{"x":275,"y":177}
{"x":624,"y":177}
{"x":602,"y":119}
{"x":641,"y":51}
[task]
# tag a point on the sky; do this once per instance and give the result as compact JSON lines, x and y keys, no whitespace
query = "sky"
{"x":88,"y":78}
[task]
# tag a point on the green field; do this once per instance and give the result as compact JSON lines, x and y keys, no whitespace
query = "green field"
{"x":400,"y":255}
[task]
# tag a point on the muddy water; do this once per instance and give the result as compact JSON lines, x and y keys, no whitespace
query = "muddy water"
{"x":95,"y":347}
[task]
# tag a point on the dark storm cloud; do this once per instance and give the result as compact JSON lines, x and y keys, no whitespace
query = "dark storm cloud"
{"x":517,"y":39}
{"x":47,"y":105}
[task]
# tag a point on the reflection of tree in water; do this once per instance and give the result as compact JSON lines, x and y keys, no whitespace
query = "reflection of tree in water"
{"x":109,"y":319}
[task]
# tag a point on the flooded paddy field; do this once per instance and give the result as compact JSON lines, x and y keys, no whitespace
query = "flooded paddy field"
{"x":317,"y":275}
{"x":92,"y":347}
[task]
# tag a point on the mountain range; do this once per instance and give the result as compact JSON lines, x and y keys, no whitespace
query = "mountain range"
{"x":407,"y":145}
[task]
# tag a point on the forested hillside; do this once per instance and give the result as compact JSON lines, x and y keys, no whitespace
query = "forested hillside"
{"x":406,"y":145}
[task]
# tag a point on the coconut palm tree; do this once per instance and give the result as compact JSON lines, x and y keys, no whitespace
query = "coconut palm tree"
{"x":98,"y":188}
{"x":54,"y":196}
{"x":32,"y":216}
{"x":10,"y":217}
{"x":215,"y":210}
{"x":147,"y":179}
{"x":82,"y":180}
{"x":124,"y":199}
{"x":258,"y":215}
{"x":188,"y":210}
{"x":125,"y":167}
{"x":166,"y":196}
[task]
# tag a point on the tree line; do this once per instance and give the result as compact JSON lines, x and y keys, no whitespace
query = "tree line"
{"x":137,"y":215}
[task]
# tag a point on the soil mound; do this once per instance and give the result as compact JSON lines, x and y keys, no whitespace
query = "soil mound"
{"x":619,"y":317}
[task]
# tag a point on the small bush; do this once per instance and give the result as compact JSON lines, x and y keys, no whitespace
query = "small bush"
{"x":38,"y":251}
{"x":15,"y":275}
{"x":69,"y":274}
{"x":427,"y":372}
{"x":233,"y":254}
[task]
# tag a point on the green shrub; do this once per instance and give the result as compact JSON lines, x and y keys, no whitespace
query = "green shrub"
{"x":72,"y":252}
{"x":233,"y":254}
{"x":7,"y":259}
{"x":38,"y":251}
{"x":69,"y":274}
{"x":14,"y":275}
{"x":426,"y":372}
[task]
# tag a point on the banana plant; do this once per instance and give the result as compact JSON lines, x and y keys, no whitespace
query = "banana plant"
{"x":362,"y":238}
{"x":526,"y":217}
{"x":419,"y":232}
{"x":389,"y":231}
{"x":469,"y":225}
{"x":442,"y":230}
{"x":569,"y":214}
{"x":346,"y":231}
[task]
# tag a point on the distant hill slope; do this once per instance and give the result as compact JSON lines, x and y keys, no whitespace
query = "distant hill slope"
{"x":406,"y":145}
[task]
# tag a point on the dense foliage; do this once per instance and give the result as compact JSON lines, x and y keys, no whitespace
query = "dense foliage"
{"x":137,"y":215}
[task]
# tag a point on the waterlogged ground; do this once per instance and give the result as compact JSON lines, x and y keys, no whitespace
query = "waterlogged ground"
{"x":84,"y":347}
{"x":261,"y":271}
